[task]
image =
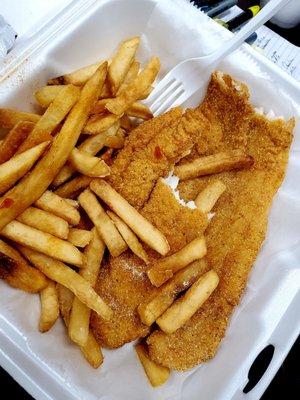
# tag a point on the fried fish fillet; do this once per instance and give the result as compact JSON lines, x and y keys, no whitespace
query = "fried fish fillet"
{"x":236,"y":232}
{"x":123,"y":281}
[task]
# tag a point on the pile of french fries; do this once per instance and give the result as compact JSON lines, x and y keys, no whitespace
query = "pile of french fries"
{"x":52,"y":168}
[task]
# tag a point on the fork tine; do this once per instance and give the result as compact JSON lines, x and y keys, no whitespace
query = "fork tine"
{"x":178,"y":102}
{"x":164,"y":95}
{"x":160,"y":87}
{"x":168,"y":103}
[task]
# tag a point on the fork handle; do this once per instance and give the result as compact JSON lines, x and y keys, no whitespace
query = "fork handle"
{"x":267,"y":12}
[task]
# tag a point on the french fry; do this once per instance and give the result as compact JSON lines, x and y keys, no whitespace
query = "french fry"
{"x":33,"y":185}
{"x":43,"y":242}
{"x":17,"y":272}
{"x":79,"y":237}
{"x":102,"y":222}
{"x":121,"y":63}
{"x":157,"y":374}
{"x":167,"y":293}
{"x":126,"y":123}
{"x":15,"y":168}
{"x":9,"y":118}
{"x":146,"y":93}
{"x":115,"y":142}
{"x":58,"y":206}
{"x":14,"y":139}
{"x":49,"y":307}
{"x":54,"y":114}
{"x":92,"y":145}
{"x":60,"y":273}
{"x":88,"y":165}
{"x":139,"y":110}
{"x":107,"y":156}
{"x":136,"y":89}
{"x":130,"y":76}
{"x":208,"y":197}
{"x":100,"y":123}
{"x":46,"y":95}
{"x":129,"y":237}
{"x":74,"y":187}
{"x":44,"y":221}
{"x":105,"y":92}
{"x":140,"y":226}
{"x":78,"y":77}
{"x":80,"y":315}
{"x":185,"y":307}
{"x":99,"y":107}
{"x":33,"y":140}
{"x":166,"y":267}
{"x":91,"y":351}
{"x":73,"y":203}
{"x":214,"y":164}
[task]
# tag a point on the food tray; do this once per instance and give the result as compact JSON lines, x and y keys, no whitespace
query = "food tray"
{"x":48,"y":366}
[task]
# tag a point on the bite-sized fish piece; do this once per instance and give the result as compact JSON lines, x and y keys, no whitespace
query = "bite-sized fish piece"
{"x":237,"y":230}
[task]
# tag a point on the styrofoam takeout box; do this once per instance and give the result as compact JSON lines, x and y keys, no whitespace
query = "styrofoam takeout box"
{"x":77,"y":36}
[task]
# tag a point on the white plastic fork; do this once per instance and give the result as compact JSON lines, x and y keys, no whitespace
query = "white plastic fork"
{"x":193,"y":74}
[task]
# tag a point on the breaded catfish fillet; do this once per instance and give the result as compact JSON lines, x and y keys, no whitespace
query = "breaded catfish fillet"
{"x":123,"y":282}
{"x":235,"y":234}
{"x":151,"y":151}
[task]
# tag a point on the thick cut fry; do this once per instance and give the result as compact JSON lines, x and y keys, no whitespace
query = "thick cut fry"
{"x":32,"y":186}
{"x":73,"y":203}
{"x":136,"y":89}
{"x":102,"y":222}
{"x":60,"y":273}
{"x":156,"y":373}
{"x":181,"y":281}
{"x":45,"y":221}
{"x":165,"y":268}
{"x":46,"y":95}
{"x":105,"y":92}
{"x":80,"y":315}
{"x":17,"y":272}
{"x":100,"y":123}
{"x":43,"y":242}
{"x":126,"y":123}
{"x":9,"y":118}
{"x":91,"y":351}
{"x":88,"y":165}
{"x":121,"y":63}
{"x":55,"y":113}
{"x":14,"y":139}
{"x":79,"y":237}
{"x":185,"y":307}
{"x":130,"y":76}
{"x":74,"y":187}
{"x":33,"y":140}
{"x":208,"y":197}
{"x":55,"y":204}
{"x":49,"y":307}
{"x":78,"y":77}
{"x":219,"y":162}
{"x":146,"y":93}
{"x":139,"y":110}
{"x":140,"y":226}
{"x":129,"y":237}
{"x":15,"y":168}
{"x":92,"y":145}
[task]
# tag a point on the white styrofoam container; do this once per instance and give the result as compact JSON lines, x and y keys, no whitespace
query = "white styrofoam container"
{"x":69,"y":40}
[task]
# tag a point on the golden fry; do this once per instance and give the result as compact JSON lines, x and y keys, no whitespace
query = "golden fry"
{"x":140,"y":226}
{"x":214,"y":164}
{"x":102,"y":222}
{"x":33,"y":185}
{"x":130,"y":76}
{"x":136,"y":89}
{"x":58,"y":206}
{"x":80,"y":315}
{"x":100,"y":123}
{"x":166,"y":267}
{"x":15,"y":168}
{"x":185,"y":307}
{"x":157,"y":374}
{"x":78,"y":77}
{"x":74,"y":187}
{"x":44,"y":221}
{"x":46,"y":95}
{"x":208,"y":197}
{"x":129,"y":237}
{"x":60,"y":273}
{"x":14,"y":139}
{"x":167,"y":293}
{"x":79,"y":237}
{"x":121,"y":63}
{"x":9,"y":118}
{"x":49,"y":307}
{"x":88,"y":165}
{"x":17,"y":272}
{"x":139,"y":110}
